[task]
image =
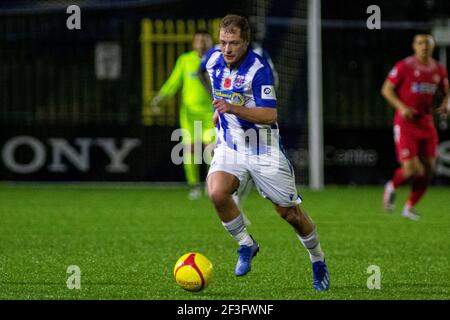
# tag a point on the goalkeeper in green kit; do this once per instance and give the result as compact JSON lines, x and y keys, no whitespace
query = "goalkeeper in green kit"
{"x":196,"y":105}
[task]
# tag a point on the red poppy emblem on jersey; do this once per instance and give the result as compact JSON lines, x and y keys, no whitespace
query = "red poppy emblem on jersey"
{"x":227,"y":83}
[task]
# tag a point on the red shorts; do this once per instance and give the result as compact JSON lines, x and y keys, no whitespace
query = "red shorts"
{"x":411,"y":142}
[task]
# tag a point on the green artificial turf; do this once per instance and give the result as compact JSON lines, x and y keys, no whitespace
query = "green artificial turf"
{"x":126,"y":240}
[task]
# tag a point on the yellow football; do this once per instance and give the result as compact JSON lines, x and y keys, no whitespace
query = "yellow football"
{"x":193,"y":271}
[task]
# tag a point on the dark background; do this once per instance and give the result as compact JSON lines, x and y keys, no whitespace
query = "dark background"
{"x":49,"y":88}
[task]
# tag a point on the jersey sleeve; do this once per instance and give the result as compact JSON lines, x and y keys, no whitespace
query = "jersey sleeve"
{"x":175,"y":80}
{"x":397,"y":74}
{"x":206,"y":58}
{"x":263,"y":88}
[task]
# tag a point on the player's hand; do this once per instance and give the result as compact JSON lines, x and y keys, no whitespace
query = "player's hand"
{"x":216,"y":119}
{"x":442,"y":110}
{"x":223,"y":107}
{"x":408,"y":113}
{"x":155,"y":104}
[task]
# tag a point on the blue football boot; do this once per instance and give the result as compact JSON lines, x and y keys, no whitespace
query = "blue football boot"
{"x":246,"y":254}
{"x":321,"y":276}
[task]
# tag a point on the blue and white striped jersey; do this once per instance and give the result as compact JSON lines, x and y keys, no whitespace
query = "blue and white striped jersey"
{"x":250,"y":85}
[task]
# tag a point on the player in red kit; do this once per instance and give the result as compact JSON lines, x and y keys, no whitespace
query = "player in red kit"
{"x":410,"y":88}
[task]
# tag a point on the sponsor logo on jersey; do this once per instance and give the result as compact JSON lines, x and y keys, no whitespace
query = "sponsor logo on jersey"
{"x":237,"y":99}
{"x":268,"y":92}
{"x":423,"y":87}
{"x":223,"y":93}
{"x":217,"y":72}
{"x":233,"y":97}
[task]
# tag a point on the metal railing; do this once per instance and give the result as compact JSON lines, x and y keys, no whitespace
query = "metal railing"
{"x":161,"y":44}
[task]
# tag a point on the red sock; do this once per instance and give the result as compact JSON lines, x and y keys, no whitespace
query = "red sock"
{"x":398,"y":179}
{"x":419,"y":186}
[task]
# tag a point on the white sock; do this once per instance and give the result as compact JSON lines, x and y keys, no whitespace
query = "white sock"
{"x":312,"y":244}
{"x":238,"y":231}
{"x":391,"y":186}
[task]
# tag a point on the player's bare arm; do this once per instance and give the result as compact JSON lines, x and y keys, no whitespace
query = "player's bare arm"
{"x":388,"y":92}
{"x":255,"y":115}
{"x":444,"y":108}
{"x":216,"y":118}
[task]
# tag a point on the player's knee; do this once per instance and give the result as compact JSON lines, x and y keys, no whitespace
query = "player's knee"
{"x":218,"y":197}
{"x":413,"y":171}
{"x":408,"y":172}
{"x":418,"y":171}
